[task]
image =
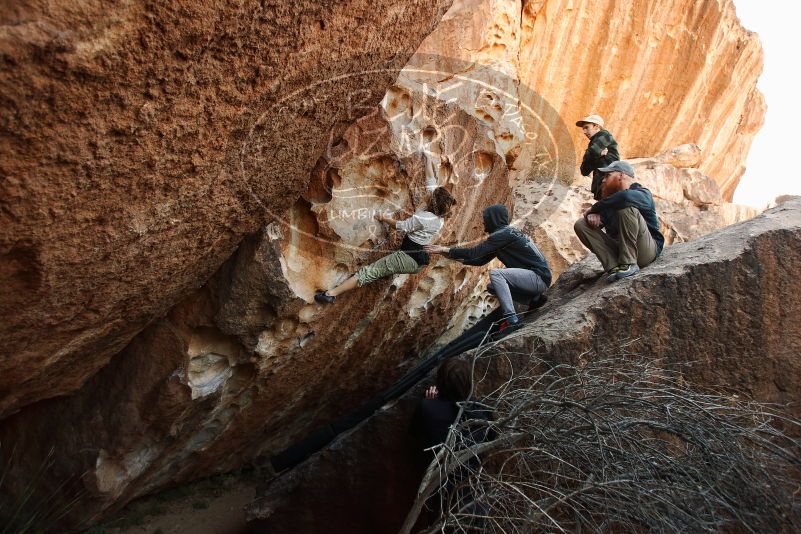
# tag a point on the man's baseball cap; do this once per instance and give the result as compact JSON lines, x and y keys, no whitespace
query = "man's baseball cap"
{"x":622,"y":166}
{"x":594,"y":119}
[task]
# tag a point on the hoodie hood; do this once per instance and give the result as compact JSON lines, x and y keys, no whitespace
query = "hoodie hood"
{"x":495,"y":217}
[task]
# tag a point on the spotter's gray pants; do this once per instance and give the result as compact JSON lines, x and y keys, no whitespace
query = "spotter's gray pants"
{"x":515,"y":285}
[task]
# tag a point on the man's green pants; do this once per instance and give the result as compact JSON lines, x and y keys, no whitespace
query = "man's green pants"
{"x":396,"y":263}
{"x":633,"y":245}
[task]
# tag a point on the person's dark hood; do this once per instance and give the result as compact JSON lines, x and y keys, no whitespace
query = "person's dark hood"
{"x":495,"y":217}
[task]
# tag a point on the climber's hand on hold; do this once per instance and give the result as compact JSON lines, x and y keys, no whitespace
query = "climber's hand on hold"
{"x":432,"y":393}
{"x":382,"y":217}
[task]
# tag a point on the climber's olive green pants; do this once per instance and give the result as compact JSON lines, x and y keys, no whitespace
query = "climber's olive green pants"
{"x":633,"y":245}
{"x":396,"y":263}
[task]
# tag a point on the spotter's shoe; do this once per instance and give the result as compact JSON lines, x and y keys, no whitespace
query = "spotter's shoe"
{"x":512,"y":322}
{"x":605,"y":276}
{"x":324,"y":298}
{"x":623,"y":271}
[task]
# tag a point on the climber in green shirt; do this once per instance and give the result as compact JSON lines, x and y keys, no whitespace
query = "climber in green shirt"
{"x":601,"y":151}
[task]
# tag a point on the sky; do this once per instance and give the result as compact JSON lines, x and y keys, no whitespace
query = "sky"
{"x":771,"y":168}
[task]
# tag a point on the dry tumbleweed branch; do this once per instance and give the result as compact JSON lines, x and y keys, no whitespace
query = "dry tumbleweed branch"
{"x":615,"y":444}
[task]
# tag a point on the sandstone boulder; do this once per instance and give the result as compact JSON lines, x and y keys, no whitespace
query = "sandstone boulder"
{"x":683,"y":156}
{"x":726,"y":303}
{"x":240,"y":215}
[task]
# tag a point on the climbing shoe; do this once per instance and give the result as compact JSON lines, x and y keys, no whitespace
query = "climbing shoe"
{"x":537,"y":302}
{"x":324,"y":298}
{"x":510,"y":322}
{"x":623,"y":271}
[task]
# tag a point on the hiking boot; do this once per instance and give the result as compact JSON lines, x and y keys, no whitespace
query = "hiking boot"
{"x":511,"y":322}
{"x":623,"y":271}
{"x":537,"y":302}
{"x":605,"y":276}
{"x":324,"y":298}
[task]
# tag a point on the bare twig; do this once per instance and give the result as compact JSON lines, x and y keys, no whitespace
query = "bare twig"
{"x":615,"y":443}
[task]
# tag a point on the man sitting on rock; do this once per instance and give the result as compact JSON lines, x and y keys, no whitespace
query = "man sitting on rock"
{"x":526,"y":276}
{"x":601,"y":151}
{"x":627,"y":212}
{"x":420,"y":229}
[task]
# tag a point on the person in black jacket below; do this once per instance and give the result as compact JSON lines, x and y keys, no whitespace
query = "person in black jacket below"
{"x":437,"y":412}
{"x":601,"y":151}
{"x":526,"y":276}
{"x":432,"y":421}
{"x":632,"y":238}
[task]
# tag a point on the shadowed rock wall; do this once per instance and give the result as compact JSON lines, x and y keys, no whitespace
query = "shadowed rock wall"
{"x":140,"y":143}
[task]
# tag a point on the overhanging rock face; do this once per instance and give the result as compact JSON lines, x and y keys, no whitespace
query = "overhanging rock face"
{"x":141,"y":143}
{"x":729,"y":303}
